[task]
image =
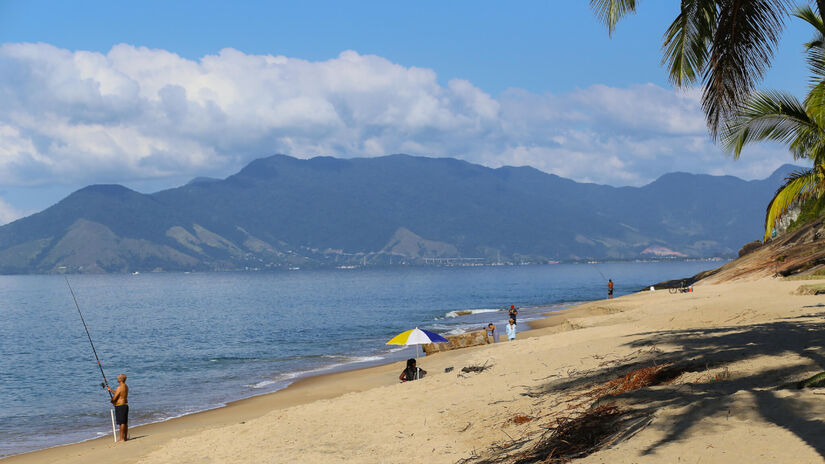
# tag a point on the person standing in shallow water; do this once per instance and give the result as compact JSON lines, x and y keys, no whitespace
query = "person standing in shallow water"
{"x":609,"y":288}
{"x":513,"y":313}
{"x":511,"y":330}
{"x":120,"y":398}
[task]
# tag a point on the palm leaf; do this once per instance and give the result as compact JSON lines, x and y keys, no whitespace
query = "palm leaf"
{"x":815,"y":49}
{"x":797,"y":186}
{"x":746,"y":34}
{"x":775,"y":116}
{"x":610,"y":12}
{"x":687,"y":41}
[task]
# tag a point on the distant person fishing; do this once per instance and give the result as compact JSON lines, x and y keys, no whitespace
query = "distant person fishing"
{"x":119,"y":397}
{"x":609,"y":283}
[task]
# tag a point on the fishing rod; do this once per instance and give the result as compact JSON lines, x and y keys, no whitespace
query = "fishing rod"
{"x":600,"y":273}
{"x":105,"y":383}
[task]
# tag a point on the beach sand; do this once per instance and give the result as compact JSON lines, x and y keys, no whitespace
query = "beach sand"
{"x":736,"y":343}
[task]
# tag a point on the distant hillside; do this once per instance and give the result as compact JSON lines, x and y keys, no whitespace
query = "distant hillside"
{"x":285,"y":212}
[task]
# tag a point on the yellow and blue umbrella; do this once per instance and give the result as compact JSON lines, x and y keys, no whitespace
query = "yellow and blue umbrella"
{"x":416,"y":337}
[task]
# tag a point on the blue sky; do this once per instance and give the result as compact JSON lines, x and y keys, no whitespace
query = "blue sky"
{"x":151,"y":94}
{"x":541,"y":46}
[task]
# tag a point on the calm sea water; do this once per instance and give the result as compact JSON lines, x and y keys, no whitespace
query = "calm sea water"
{"x":190,"y":342}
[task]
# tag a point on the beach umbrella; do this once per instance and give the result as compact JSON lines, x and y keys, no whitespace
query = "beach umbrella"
{"x":416,"y":337}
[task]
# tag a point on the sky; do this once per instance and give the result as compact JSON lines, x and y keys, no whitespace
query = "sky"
{"x":152,"y":94}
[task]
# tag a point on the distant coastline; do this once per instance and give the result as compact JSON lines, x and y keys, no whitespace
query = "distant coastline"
{"x":286,"y":213}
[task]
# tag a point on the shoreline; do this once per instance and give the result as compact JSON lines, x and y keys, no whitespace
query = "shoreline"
{"x":733,"y":348}
{"x":296,"y":393}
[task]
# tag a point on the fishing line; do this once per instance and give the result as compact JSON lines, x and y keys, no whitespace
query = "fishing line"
{"x":105,"y":383}
{"x":600,"y":273}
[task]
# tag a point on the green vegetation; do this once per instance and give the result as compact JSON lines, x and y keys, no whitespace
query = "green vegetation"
{"x":813,"y":382}
{"x":781,"y":117}
{"x":811,"y":209}
{"x":811,"y":289}
{"x":816,"y":275}
{"x":728,"y":45}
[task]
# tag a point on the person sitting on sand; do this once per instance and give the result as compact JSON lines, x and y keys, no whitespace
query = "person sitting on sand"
{"x":120,"y":398}
{"x":491,"y":333}
{"x":411,"y":372}
{"x":511,"y":329}
{"x":512,"y":313}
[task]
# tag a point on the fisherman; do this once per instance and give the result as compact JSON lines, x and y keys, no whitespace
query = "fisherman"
{"x":609,"y":288}
{"x":120,"y":398}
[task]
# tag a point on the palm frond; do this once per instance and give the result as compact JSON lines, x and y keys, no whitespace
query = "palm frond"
{"x":746,"y":35}
{"x":687,"y":40}
{"x":610,"y":12}
{"x":815,"y":49}
{"x":797,"y":186}
{"x":771,"y":115}
{"x":807,"y":14}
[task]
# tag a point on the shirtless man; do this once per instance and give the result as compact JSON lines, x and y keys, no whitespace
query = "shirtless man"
{"x":491,"y":333}
{"x":120,"y":398}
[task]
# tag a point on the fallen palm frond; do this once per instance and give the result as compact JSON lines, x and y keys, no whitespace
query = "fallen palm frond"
{"x":572,"y":437}
{"x":579,"y":434}
{"x":813,"y":382}
{"x":634,"y":380}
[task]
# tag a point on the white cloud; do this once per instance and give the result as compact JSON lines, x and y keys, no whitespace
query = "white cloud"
{"x":8,"y":213}
{"x":138,"y":113}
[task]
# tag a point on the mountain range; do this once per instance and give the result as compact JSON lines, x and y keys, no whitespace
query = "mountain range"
{"x":284,"y":212}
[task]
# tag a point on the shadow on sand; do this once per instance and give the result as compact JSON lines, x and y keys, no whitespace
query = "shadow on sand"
{"x":769,"y":394}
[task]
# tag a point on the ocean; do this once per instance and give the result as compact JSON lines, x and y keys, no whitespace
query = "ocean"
{"x":191,"y":342}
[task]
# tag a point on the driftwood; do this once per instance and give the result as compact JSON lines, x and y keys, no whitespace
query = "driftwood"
{"x":481,"y":368}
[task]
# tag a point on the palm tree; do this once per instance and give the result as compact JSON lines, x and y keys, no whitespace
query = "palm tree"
{"x":729,"y":44}
{"x":781,"y":117}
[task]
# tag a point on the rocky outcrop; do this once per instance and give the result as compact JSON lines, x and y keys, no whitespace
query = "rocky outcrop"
{"x":799,"y":252}
{"x":459,"y":341}
{"x":750,"y":247}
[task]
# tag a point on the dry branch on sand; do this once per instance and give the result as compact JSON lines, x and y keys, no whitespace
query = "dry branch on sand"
{"x":585,"y":433}
{"x":572,"y":437}
{"x":476,"y":368}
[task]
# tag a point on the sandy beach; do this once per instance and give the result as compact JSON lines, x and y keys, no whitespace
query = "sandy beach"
{"x":731,"y":351}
